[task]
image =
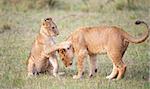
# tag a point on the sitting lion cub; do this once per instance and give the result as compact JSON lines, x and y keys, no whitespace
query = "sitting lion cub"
{"x":40,"y":59}
{"x":93,"y":40}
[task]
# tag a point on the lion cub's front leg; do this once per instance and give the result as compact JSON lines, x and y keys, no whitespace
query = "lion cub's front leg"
{"x":52,"y":59}
{"x":93,"y":68}
{"x":54,"y":62}
{"x":81,"y":56}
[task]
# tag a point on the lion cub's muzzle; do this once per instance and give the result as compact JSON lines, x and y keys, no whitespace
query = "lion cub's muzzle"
{"x":56,"y":32}
{"x":69,"y":65}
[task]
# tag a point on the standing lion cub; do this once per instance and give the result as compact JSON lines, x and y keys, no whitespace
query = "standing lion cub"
{"x":40,"y":59}
{"x":94,"y":40}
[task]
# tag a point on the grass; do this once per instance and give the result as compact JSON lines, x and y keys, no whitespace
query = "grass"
{"x":18,"y":30}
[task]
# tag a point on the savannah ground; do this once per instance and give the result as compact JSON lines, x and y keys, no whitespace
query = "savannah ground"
{"x":20,"y":23}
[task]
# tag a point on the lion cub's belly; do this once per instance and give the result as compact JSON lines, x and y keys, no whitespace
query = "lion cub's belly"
{"x":96,"y":48}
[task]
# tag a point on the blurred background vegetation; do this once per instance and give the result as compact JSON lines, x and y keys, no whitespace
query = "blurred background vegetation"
{"x":77,"y":5}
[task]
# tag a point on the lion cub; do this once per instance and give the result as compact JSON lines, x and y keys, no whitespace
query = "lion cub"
{"x":40,"y":60}
{"x":91,"y":41}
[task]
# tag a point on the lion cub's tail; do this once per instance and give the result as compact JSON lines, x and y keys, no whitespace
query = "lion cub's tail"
{"x":142,"y":38}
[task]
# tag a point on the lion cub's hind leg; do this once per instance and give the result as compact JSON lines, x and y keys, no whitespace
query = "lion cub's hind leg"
{"x":31,"y":68}
{"x":114,"y":73}
{"x":50,"y":69}
{"x":115,"y":53}
{"x":121,"y":69}
{"x":119,"y":66}
{"x":93,"y":68}
{"x":119,"y":63}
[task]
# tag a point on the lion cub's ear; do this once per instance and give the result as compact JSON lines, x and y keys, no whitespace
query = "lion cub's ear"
{"x":62,"y":50}
{"x":43,"y":21}
{"x":48,"y":19}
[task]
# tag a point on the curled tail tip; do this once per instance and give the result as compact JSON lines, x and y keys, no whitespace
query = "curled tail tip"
{"x":138,"y":22}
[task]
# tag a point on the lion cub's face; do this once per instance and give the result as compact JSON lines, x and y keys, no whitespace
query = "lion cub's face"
{"x":49,"y":27}
{"x":66,"y":55}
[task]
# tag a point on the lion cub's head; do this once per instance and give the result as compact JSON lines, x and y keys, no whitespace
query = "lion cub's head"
{"x":48,"y":27}
{"x":65,"y":51}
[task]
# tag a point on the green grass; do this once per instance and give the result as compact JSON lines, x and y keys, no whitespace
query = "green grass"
{"x":18,"y":30}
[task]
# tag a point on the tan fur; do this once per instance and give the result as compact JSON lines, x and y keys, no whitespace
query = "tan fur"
{"x":39,"y":58}
{"x":93,"y":40}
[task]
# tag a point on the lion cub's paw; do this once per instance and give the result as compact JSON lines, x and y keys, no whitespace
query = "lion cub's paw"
{"x":76,"y":77}
{"x":109,"y":77}
{"x":61,"y":73}
{"x":30,"y":75}
{"x":90,"y":75}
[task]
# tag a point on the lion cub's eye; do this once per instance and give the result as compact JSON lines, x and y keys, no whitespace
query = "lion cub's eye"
{"x":47,"y":19}
{"x":63,"y":50}
{"x":68,"y":48}
{"x":53,"y":27}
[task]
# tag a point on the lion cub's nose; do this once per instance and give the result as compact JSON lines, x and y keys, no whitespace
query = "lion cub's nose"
{"x":57,"y":34}
{"x":70,"y":64}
